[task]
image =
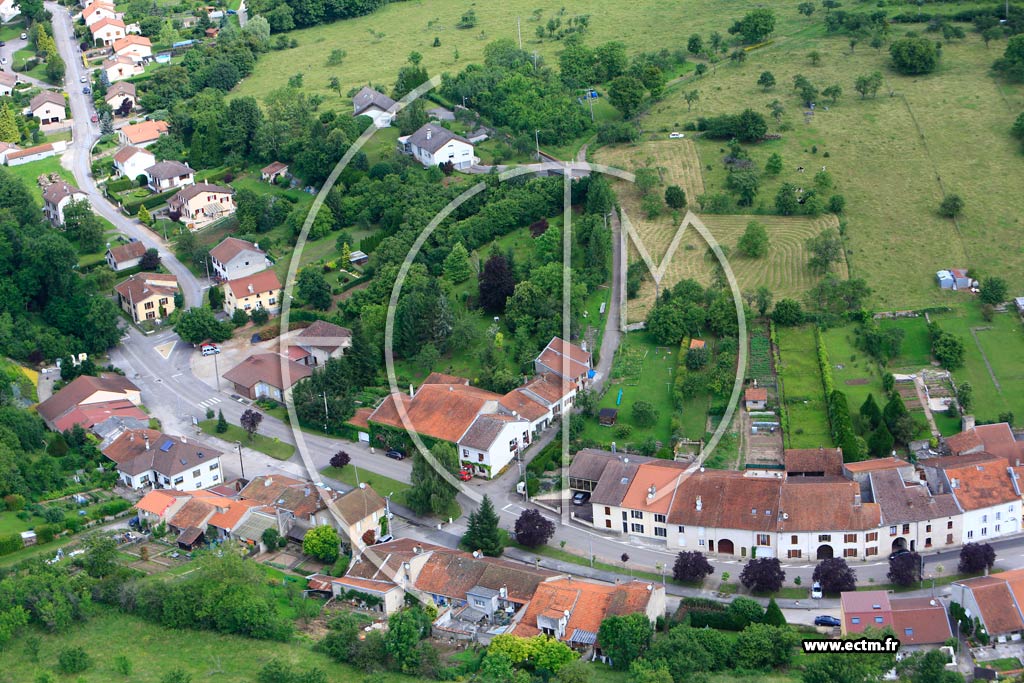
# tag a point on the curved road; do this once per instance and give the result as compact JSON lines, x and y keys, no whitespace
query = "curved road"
{"x":77,"y":158}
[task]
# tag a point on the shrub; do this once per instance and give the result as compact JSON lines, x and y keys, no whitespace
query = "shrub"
{"x":73,"y":660}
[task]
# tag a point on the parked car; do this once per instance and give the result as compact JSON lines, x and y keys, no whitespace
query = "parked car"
{"x":94,"y":118}
{"x":395,"y":454}
{"x":24,"y":36}
{"x":3,"y":43}
{"x":385,"y":538}
{"x":209,"y":349}
{"x":3,"y":60}
{"x":897,"y":553}
{"x":676,"y":135}
{"x":83,"y":79}
{"x":816,"y":591}
{"x":580,"y":498}
{"x":826,"y":620}
{"x":86,"y":90}
{"x":465,"y":475}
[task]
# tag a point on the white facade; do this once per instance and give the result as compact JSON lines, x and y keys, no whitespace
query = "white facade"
{"x":245,"y":263}
{"x":985,"y":524}
{"x":203,"y":475}
{"x":108,"y":34}
{"x":55,"y":212}
{"x":458,"y":152}
{"x":503,"y":449}
{"x":135,"y":165}
{"x":8,"y":10}
{"x":100,"y":10}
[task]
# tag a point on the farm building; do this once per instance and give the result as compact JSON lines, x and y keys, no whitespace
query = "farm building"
{"x":608,"y":416}
{"x":954,"y":278}
{"x":755,"y":398}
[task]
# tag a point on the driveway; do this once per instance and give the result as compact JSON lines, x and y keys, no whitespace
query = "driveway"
{"x":77,"y":159}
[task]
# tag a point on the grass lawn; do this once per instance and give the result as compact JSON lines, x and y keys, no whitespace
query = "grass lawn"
{"x":381,"y":484}
{"x":916,"y":352}
{"x":1001,"y":342}
{"x":10,"y":524}
{"x":29,"y":173}
{"x":891,"y":157}
{"x":1003,"y":664}
{"x":263,"y":444}
{"x":109,"y":634}
{"x":800,"y":378}
{"x":855,"y":373}
{"x":643,"y":371}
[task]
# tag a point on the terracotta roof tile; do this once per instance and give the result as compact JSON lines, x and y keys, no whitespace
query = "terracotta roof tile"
{"x":274,"y":168}
{"x":323,"y":330}
{"x":196,"y":513}
{"x":358,"y":504}
{"x":728,"y":500}
{"x":139,"y":450}
{"x":141,"y":286}
{"x":520,"y":403}
{"x":828,"y":461}
{"x":81,"y":388}
{"x":588,"y":604}
{"x":146,"y":131}
{"x":47,"y":97}
{"x":106,"y":21}
{"x":441,"y":411}
{"x":755,"y":394}
{"x":995,"y":600}
{"x":875,"y":464}
{"x":38,"y":149}
{"x":802,"y":501}
{"x":266,"y":368}
{"x":361,"y":418}
{"x":559,"y":354}
{"x":652,"y":488}
{"x":982,"y":484}
{"x":367,"y":585}
{"x":156,"y":502}
{"x":120,"y":88}
{"x":549,"y":387}
{"x":127,"y":252}
{"x":301,"y":498}
{"x":920,"y":621}
{"x":260,"y":283}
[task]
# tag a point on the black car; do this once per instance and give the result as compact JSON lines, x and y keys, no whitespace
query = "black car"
{"x":825,"y":620}
{"x":897,"y":553}
{"x":395,"y":454}
{"x":580,"y":498}
{"x":86,"y":90}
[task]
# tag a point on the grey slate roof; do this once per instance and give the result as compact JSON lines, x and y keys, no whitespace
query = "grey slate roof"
{"x":484,"y":430}
{"x":902,"y":503}
{"x":368,"y":97}
{"x":590,"y":463}
{"x":614,"y":483}
{"x":433,"y":137}
{"x":165,"y":170}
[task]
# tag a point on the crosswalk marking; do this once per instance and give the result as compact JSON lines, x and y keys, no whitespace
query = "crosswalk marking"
{"x":209,"y":402}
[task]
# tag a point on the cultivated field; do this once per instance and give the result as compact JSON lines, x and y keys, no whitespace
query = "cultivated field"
{"x":892,"y":157}
{"x":377,"y":45}
{"x":677,"y":162}
{"x":802,"y":389}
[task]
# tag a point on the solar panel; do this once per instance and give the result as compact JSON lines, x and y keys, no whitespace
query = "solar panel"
{"x":166,"y":446}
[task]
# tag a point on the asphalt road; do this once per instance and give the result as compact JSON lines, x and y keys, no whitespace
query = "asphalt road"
{"x":77,"y":158}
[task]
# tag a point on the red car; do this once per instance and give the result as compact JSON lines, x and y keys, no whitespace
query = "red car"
{"x":94,"y":118}
{"x":465,"y":475}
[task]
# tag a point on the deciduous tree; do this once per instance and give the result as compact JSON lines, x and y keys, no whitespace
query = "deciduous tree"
{"x":763,"y":575}
{"x":322,"y":542}
{"x":835,"y":575}
{"x":250,"y":421}
{"x":625,"y":638}
{"x":533,"y":529}
{"x":976,"y":557}
{"x":691,"y":566}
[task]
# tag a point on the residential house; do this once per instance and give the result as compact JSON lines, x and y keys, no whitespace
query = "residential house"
{"x":376,"y":105}
{"x":119,"y":93}
{"x":125,"y":256}
{"x":320,"y":342}
{"x":7,"y":148}
{"x":646,"y":498}
{"x":433,"y":145}
{"x":360,"y":510}
{"x":996,"y":439}
{"x":813,"y":462}
{"x":148,"y":296}
{"x":30,"y":154}
{"x":261,"y":376}
{"x":860,"y":472}
{"x":7,"y":82}
{"x":846,"y":527}
{"x":917,"y":622}
{"x":572,"y":610}
{"x":755,"y":398}
{"x":131,"y":162}
{"x":120,"y":67}
{"x":136,"y":48}
{"x":565,"y":360}
{"x":383,"y":571}
{"x":234,"y":258}
{"x":986,"y":489}
{"x":491,"y":443}
{"x":553,"y":394}
{"x":148,"y":457}
{"x":587,"y":468}
{"x":99,"y":10}
{"x":186,"y":512}
{"x":525,"y":405}
{"x":167,"y":175}
{"x":8,"y":10}
{"x":56,"y":197}
{"x":202,"y":203}
{"x":262,"y":290}
{"x":49,"y":107}
{"x":142,"y":134}
{"x":918,"y":520}
{"x":107,"y":30}
{"x":271,"y":172}
{"x":108,"y":391}
{"x":298,"y":504}
{"x":996,"y":601}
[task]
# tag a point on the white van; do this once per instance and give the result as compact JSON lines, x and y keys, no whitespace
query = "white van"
{"x":816,"y":591}
{"x":209,"y":349}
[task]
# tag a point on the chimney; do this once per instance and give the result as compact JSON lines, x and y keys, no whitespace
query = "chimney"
{"x":146,"y":437}
{"x":183,"y":439}
{"x":450,"y":388}
{"x":362,"y":484}
{"x":268,"y":481}
{"x":700,"y":504}
{"x":613,"y":447}
{"x":967,"y":423}
{"x":251,"y":289}
{"x":856,"y":500}
{"x":412,"y":392}
{"x":256,"y":245}
{"x":428,"y":133}
{"x":651,"y":491}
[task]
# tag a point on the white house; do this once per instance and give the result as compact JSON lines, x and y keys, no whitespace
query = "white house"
{"x":167,"y":175}
{"x":320,"y":342}
{"x":56,"y":198}
{"x":118,"y":93}
{"x":986,"y":488}
{"x":17,"y":157}
{"x":136,"y":48}
{"x":107,"y":30}
{"x":234,"y":258}
{"x":913,"y":518}
{"x":8,"y":10}
{"x":131,"y":162}
{"x":148,"y":457}
{"x":119,"y":67}
{"x":99,"y":10}
{"x":433,"y":145}
{"x":565,"y":360}
{"x":7,"y":83}
{"x":492,"y":441}
{"x":49,"y":107}
{"x":125,"y":256}
{"x":376,"y":105}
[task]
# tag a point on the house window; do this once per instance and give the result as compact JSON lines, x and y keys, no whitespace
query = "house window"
{"x":682,"y":529}
{"x":949,"y":524}
{"x":970,"y":533}
{"x":196,"y":474}
{"x":849,"y":552}
{"x":636,"y":514}
{"x":479,"y":457}
{"x":700,"y":542}
{"x":478,"y":602}
{"x":753,"y":511}
{"x":908,"y":631}
{"x":660,"y":532}
{"x":767,"y":513}
{"x":855,"y":620}
{"x":795,"y":553}
{"x":178,"y":480}
{"x":151,"y":316}
{"x":216,"y":477}
{"x":660,"y":519}
{"x":163,"y":301}
{"x":148,"y":305}
{"x":879,"y":620}
{"x":999,"y":515}
{"x":608,"y":524}
{"x":949,"y":539}
{"x":873,"y":550}
{"x":928,"y":528}
{"x":214,"y":465}
{"x":465,"y":452}
{"x":906,"y":528}
{"x":272,"y":301}
{"x":792,"y":539}
{"x":512,"y":445}
{"x":872,"y":536}
{"x":984,"y":518}
{"x":607,"y":511}
{"x":997,"y":528}
{"x":764,"y":539}
{"x":824,"y":538}
{"x":849,"y":538}
{"x":636,"y":528}
{"x":928,"y":542}
{"x":984,"y":531}
{"x":624,"y":517}
{"x":892,"y":531}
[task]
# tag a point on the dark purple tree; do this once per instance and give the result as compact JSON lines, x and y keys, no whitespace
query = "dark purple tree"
{"x":763,"y":575}
{"x":835,"y":576}
{"x":691,"y":566}
{"x":250,"y":421}
{"x":497,"y":282}
{"x":976,"y":557}
{"x":340,"y":459}
{"x":905,"y":569}
{"x":533,"y":529}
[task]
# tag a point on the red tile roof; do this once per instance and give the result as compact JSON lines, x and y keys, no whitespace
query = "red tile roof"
{"x":588,"y":604}
{"x":452,"y":573}
{"x":802,"y":500}
{"x":80,"y":389}
{"x":559,"y":355}
{"x":231,"y":247}
{"x":266,"y":368}
{"x":106,"y":21}
{"x":652,"y":488}
{"x":920,"y":621}
{"x":260,"y":283}
{"x":755,"y":394}
{"x":141,"y":286}
{"x":549,"y":387}
{"x":93,"y":413}
{"x":127,"y":252}
{"x":146,"y":131}
{"x":441,"y":411}
{"x":982,"y":484}
{"x":156,"y":502}
{"x":301,"y":498}
{"x":361,"y":418}
{"x":995,"y":599}
{"x":875,"y":464}
{"x":728,"y":500}
{"x":520,"y":403}
{"x":829,"y":461}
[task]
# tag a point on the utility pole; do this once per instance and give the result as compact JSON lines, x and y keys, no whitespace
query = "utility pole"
{"x":591,"y":99}
{"x":326,"y":416}
{"x":216,"y":371}
{"x":536,"y":138}
{"x":519,"y":30}
{"x":241,"y":464}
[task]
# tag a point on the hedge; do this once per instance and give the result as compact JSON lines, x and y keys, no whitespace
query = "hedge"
{"x":150,"y":202}
{"x":120,"y":185}
{"x":354,"y":283}
{"x":9,"y":543}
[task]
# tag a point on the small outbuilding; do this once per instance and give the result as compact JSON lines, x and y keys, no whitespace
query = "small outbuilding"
{"x":608,"y":416}
{"x":755,"y":398}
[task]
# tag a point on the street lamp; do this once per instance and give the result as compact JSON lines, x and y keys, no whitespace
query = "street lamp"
{"x":241,"y":464}
{"x":536,"y":139}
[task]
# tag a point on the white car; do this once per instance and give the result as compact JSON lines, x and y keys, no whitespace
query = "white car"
{"x":676,"y":135}
{"x":3,"y":60}
{"x":83,"y":79}
{"x":24,"y":36}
